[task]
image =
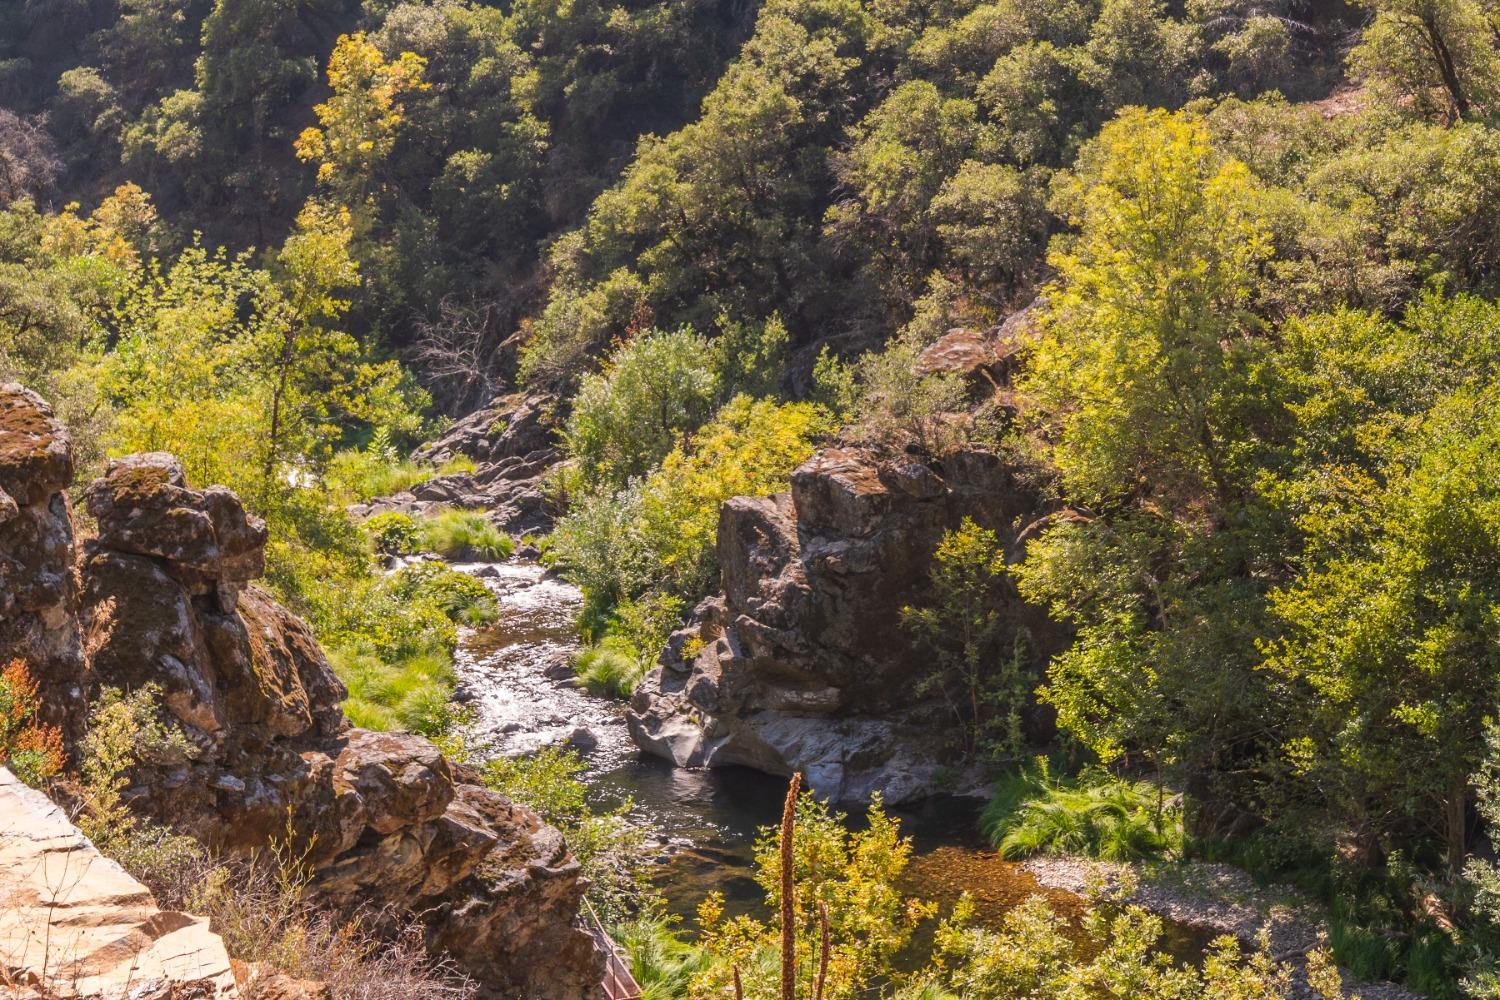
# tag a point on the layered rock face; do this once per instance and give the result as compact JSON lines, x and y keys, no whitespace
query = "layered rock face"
{"x":166,"y":598}
{"x":802,"y":662}
{"x":74,"y":924}
{"x":513,"y":442}
{"x":38,"y":585}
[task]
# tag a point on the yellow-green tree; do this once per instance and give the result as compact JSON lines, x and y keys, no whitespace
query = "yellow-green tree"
{"x":1146,"y":381}
{"x":361,"y":121}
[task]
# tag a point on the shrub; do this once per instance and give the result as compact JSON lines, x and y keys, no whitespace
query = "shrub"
{"x":393,"y":532}
{"x":466,"y":535}
{"x":124,"y":731}
{"x":261,"y":909}
{"x":658,"y":533}
{"x":651,"y":392}
{"x":32,"y":749}
{"x":1097,"y":816}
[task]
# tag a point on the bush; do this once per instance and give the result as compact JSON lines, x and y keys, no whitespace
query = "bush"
{"x":627,"y":417}
{"x":658,"y":533}
{"x":32,"y":749}
{"x":464,"y":535}
{"x":393,"y":532}
{"x":1096,"y":816}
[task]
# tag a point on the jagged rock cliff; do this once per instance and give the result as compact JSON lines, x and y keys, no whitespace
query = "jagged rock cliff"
{"x":163,"y":595}
{"x":38,"y":585}
{"x":801,"y":663}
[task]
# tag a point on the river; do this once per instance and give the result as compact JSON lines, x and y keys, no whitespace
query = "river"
{"x":515,"y":675}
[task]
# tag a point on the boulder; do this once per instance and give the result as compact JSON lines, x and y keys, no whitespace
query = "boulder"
{"x":801,"y":663}
{"x":74,"y":924}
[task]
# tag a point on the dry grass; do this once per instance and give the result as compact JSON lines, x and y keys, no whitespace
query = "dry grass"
{"x":262,"y":910}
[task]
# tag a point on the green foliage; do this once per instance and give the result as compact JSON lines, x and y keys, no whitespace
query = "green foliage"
{"x":607,"y":669}
{"x":376,"y":470}
{"x":391,"y":640}
{"x":658,"y":533}
{"x":985,"y":684}
{"x":1032,"y":956}
{"x":1436,"y":54}
{"x":895,"y":402}
{"x":464,"y":536}
{"x":852,"y":875}
{"x":1097,"y":815}
{"x":393,"y":532}
{"x":606,"y":843}
{"x":661,"y":961}
{"x":124,"y":732}
{"x":652,"y":392}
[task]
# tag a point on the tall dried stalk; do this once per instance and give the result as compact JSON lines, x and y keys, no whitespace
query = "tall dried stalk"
{"x":822,"y":951}
{"x":788,"y":890}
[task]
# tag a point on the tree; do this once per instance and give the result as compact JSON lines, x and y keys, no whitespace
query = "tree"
{"x":28,"y":161}
{"x":1440,"y":54}
{"x":1148,"y":382}
{"x":360,"y":122}
{"x":979,"y":659}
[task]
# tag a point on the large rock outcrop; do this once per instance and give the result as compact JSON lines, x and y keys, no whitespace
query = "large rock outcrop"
{"x":802,"y":662}
{"x":74,"y":924}
{"x":38,"y":585}
{"x":165,"y":597}
{"x":513,"y":442}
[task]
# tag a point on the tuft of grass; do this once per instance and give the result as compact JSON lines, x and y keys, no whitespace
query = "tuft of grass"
{"x":361,"y":475}
{"x":464,"y":535}
{"x":1096,"y":815}
{"x":660,"y":960}
{"x":414,"y":693}
{"x":611,"y":668}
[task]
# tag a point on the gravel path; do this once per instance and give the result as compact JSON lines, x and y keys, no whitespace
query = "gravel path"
{"x":1215,"y":897}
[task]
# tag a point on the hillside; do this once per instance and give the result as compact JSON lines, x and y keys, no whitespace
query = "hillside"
{"x":1083,"y":408}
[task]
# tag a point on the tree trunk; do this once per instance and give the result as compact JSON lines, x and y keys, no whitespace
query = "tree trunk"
{"x":1457,"y":822}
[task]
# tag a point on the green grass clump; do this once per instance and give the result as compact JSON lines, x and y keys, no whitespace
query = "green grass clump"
{"x":1096,"y":815}
{"x":607,"y":669}
{"x":464,"y":535}
{"x":391,"y":640}
{"x":360,"y":475}
{"x":660,"y":960}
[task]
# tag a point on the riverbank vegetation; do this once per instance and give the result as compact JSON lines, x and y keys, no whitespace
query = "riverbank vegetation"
{"x":1259,"y":385}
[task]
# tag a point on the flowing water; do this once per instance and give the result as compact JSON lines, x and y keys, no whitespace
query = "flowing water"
{"x":515,"y":674}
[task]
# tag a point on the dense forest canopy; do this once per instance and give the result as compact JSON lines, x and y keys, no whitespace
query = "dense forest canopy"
{"x":1258,"y":381}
